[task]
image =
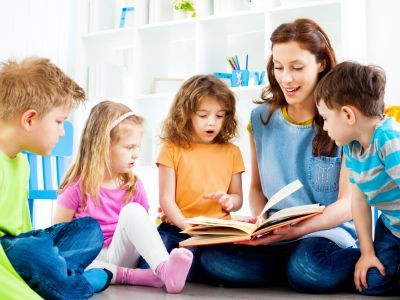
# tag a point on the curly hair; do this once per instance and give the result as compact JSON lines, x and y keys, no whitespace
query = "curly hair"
{"x":177,"y":127}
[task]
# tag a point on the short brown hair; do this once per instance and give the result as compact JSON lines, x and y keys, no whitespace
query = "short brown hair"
{"x":177,"y":127}
{"x":35,"y":83}
{"x":351,"y":83}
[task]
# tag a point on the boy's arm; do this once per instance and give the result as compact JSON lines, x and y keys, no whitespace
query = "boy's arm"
{"x":361,"y":212}
{"x":63,"y":215}
{"x":167,"y":181}
{"x":362,"y":219}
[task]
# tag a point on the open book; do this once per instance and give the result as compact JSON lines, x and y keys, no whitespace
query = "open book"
{"x":209,"y":231}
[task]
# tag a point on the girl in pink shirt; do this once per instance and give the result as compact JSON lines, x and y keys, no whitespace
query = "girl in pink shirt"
{"x":101,"y":184}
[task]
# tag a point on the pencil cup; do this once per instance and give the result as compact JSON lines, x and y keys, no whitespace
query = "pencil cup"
{"x":256,"y":78}
{"x":240,"y":78}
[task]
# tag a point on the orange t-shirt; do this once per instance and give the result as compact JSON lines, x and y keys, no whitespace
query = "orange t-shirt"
{"x":199,"y":170}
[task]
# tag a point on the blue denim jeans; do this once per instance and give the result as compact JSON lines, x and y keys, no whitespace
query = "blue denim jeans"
{"x":51,"y":261}
{"x":387,"y":249}
{"x":310,"y":265}
{"x":171,"y":237}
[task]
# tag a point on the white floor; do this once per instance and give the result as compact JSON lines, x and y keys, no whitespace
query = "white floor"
{"x":199,"y":291}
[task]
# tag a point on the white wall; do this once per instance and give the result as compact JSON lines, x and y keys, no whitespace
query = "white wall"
{"x":39,"y":27}
{"x":383,"y":43}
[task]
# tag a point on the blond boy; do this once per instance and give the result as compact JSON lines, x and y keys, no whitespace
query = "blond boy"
{"x":35,"y":99}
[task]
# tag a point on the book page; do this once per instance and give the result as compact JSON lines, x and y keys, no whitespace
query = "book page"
{"x":281,"y":194}
{"x":213,"y":222}
{"x":296,"y":211}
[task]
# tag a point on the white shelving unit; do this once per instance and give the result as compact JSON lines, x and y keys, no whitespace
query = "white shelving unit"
{"x":121,"y":64}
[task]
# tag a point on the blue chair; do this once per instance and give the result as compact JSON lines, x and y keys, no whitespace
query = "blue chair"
{"x":53,"y":168}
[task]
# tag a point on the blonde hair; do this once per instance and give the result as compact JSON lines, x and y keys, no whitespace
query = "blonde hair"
{"x":93,"y":159}
{"x":177,"y":127}
{"x":35,"y":83}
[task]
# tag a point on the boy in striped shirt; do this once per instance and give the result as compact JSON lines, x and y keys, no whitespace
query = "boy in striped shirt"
{"x":350,"y":99}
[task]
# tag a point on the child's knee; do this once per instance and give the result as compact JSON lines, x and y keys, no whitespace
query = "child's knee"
{"x":134,"y":212}
{"x":379,"y":284}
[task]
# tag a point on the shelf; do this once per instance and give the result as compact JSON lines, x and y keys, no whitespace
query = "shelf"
{"x":110,"y":34}
{"x":238,"y":34}
{"x":126,"y":61}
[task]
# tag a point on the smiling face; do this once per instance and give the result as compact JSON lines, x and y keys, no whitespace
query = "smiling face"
{"x":296,"y":71}
{"x":125,"y":151}
{"x":207,"y":121}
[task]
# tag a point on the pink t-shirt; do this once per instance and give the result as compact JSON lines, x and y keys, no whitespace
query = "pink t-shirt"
{"x":107,"y":213}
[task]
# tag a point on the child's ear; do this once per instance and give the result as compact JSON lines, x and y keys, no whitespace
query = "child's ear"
{"x":349,"y":114}
{"x":27,"y":119}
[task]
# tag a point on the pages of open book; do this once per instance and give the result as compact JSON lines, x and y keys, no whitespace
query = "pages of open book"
{"x":278,"y":196}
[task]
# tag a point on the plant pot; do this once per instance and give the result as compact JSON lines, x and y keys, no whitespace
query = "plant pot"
{"x":182,"y":14}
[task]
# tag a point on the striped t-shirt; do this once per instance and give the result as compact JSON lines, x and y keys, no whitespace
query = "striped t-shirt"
{"x":376,"y":171}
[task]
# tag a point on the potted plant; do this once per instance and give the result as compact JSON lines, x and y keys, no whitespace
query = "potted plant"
{"x":184,"y":9}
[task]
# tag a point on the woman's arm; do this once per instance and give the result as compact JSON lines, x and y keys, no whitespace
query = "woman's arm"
{"x":167,"y":181}
{"x":63,"y":215}
{"x":256,"y":196}
{"x":332,"y":216}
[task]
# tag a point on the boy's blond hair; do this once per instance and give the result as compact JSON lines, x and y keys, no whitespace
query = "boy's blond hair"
{"x":35,"y":83}
{"x":94,"y":155}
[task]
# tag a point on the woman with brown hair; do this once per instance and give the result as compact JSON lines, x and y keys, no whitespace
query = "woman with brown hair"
{"x":287,"y":143}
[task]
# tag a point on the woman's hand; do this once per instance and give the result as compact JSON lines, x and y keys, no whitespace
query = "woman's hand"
{"x":366,"y":262}
{"x":285,"y":233}
{"x":225,"y":200}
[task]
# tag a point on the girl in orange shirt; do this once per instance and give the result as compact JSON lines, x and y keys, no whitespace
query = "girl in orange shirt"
{"x":199,"y":169}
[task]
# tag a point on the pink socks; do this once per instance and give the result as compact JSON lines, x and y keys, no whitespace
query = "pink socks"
{"x":173,"y":272}
{"x":144,"y":277}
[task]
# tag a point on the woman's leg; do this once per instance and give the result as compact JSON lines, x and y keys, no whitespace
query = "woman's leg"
{"x":318,"y":265}
{"x":240,"y":265}
{"x":387,"y":249}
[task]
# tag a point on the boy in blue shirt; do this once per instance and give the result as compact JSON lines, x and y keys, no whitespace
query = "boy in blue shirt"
{"x":35,"y":99}
{"x":350,"y":98}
